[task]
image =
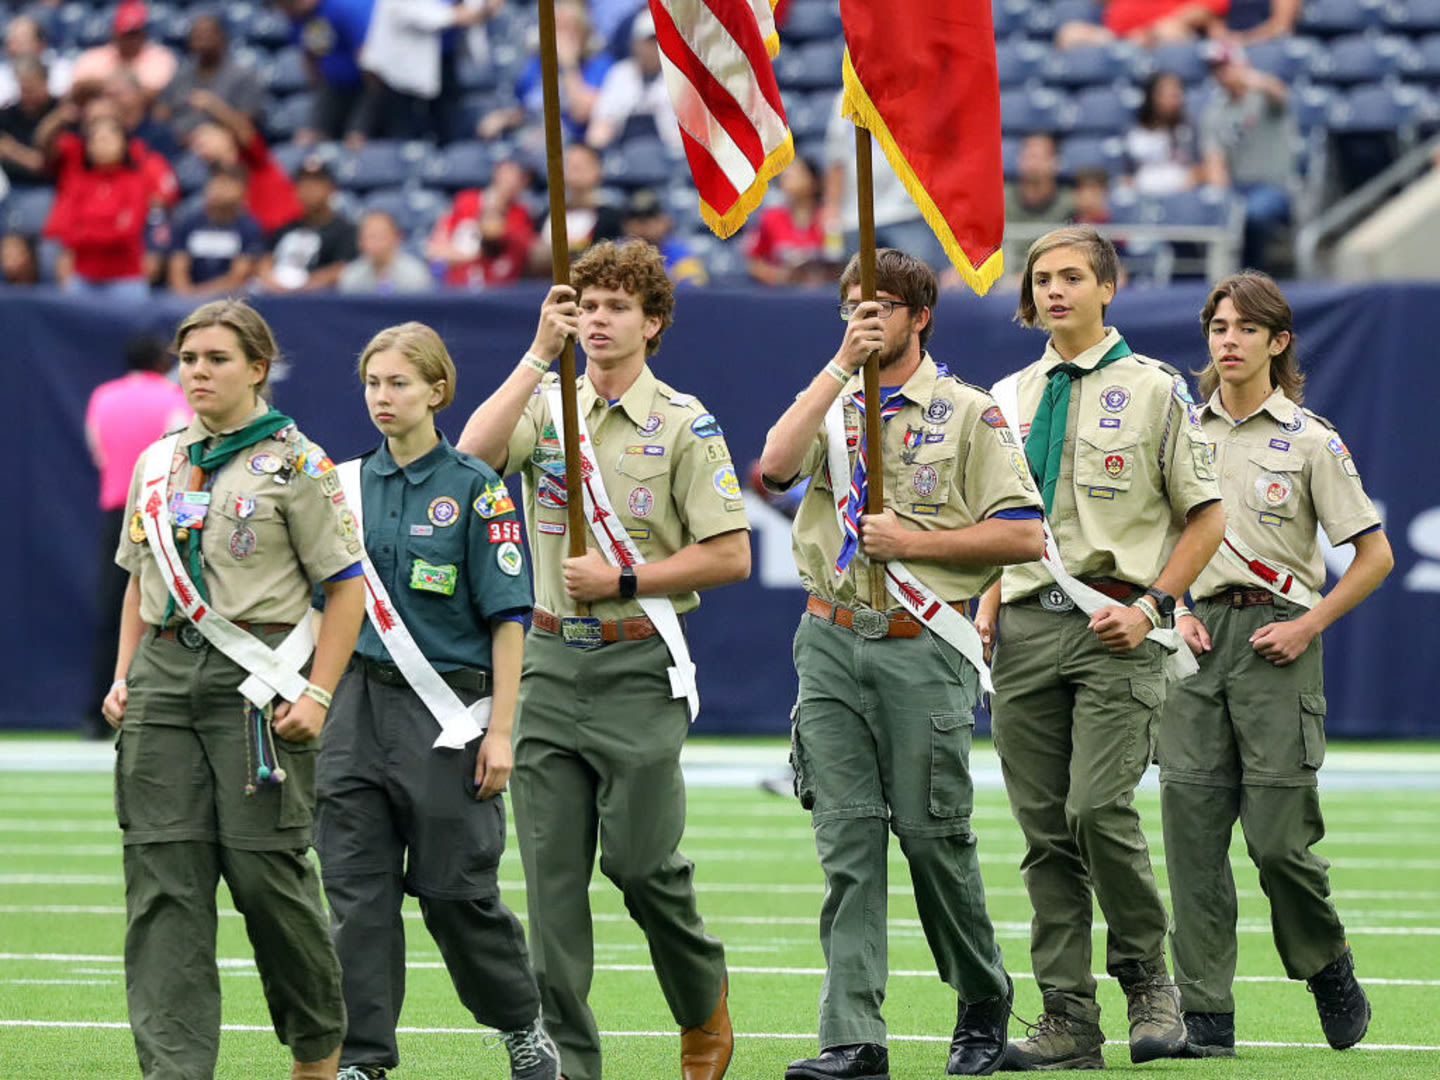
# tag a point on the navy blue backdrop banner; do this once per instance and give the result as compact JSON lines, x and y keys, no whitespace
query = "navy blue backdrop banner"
{"x":745,"y":354}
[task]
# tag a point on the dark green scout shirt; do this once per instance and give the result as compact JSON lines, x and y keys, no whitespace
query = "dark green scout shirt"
{"x":444,"y":538}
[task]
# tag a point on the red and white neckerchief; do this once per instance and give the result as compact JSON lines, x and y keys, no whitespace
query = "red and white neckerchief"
{"x":620,"y":550}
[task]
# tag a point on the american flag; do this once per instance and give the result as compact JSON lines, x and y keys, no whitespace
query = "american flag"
{"x":716,"y":55}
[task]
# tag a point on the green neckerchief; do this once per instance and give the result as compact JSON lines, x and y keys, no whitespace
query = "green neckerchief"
{"x":212,"y":460}
{"x":1045,"y":444}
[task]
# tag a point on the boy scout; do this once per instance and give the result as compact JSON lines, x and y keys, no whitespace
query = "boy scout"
{"x":203,"y":789}
{"x":883,"y":699}
{"x":599,"y":730}
{"x":1114,"y":447}
{"x":1246,"y":736}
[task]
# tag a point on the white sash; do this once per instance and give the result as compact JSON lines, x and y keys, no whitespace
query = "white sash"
{"x":271,"y":671}
{"x":914,"y":595}
{"x":612,"y":540}
{"x":459,"y":723}
{"x":1284,"y":584}
{"x":1180,"y":663}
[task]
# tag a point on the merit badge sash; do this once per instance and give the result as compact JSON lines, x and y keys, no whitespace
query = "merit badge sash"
{"x":1277,"y":577}
{"x":272,"y":671}
{"x":1180,"y":663}
{"x":459,"y":723}
{"x":620,"y":550}
{"x":914,"y":595}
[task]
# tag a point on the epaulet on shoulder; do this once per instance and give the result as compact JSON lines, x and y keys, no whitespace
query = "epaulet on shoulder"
{"x":1316,"y":416}
{"x":474,"y":464}
{"x":174,"y":431}
{"x":676,"y":398}
{"x":968,"y":385}
{"x":1150,"y":361}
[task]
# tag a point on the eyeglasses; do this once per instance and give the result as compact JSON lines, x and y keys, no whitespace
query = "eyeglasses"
{"x":887,"y":308}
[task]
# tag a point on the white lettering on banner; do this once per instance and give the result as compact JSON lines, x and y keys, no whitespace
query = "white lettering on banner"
{"x":771,"y":530}
{"x":1424,"y":536}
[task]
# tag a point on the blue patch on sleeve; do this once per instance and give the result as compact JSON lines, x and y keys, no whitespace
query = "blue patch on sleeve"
{"x":1017,"y":513}
{"x":353,"y":570}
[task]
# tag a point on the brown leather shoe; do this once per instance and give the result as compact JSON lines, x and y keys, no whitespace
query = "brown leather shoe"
{"x":324,"y":1069}
{"x":705,"y":1051}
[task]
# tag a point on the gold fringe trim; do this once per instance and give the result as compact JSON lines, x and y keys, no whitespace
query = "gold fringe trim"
{"x":772,"y":41}
{"x":727,"y":224}
{"x":857,"y":107}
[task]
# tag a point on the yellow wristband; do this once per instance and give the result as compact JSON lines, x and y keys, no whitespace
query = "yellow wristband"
{"x":318,"y":693}
{"x":534,"y":363}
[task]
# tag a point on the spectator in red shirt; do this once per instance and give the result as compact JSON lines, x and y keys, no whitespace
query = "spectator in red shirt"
{"x":231,"y":139}
{"x":485,"y":238}
{"x":1147,"y":22}
{"x":787,"y":246}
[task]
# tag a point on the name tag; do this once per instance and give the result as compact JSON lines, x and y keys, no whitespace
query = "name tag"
{"x":427,"y":577}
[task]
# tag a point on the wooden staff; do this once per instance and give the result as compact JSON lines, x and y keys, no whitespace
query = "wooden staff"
{"x":874,"y":457}
{"x":560,"y":259}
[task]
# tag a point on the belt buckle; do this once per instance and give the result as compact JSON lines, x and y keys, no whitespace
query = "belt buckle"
{"x":190,"y":636}
{"x":870,"y":624}
{"x":581,"y":632}
{"x":1056,"y":599}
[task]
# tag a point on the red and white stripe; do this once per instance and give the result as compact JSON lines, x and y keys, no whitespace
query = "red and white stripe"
{"x":716,"y":57}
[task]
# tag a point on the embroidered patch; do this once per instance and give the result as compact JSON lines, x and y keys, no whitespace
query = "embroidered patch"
{"x":730,"y":506}
{"x":546,"y":456}
{"x":716,"y":452}
{"x":706,"y":426}
{"x":188,"y":508}
{"x":311,"y":465}
{"x":924,"y":509}
{"x":346,"y":525}
{"x":551,"y":528}
{"x":244,"y":506}
{"x":137,"y":528}
{"x":1101,"y":493}
{"x":263,"y":464}
{"x":639,"y":534}
{"x":1348,"y":464}
{"x":1336,"y":446}
{"x":242,"y":542}
{"x":1109,"y":421}
{"x":422,"y":530}
{"x":926,"y":480}
{"x":994,"y":417}
{"x":1273,"y":488}
{"x":432,"y":578}
{"x":648,"y":449}
{"x":1181,"y":390}
{"x":1022,"y":470}
{"x":501,"y":531}
{"x":852,"y":437}
{"x":1271,"y":519}
{"x":641,"y":501}
{"x":548,"y":436}
{"x":653,"y":424}
{"x":727,"y":483}
{"x":509,"y":559}
{"x":443,"y":511}
{"x":1202,"y":457}
{"x":1297,"y":423}
{"x":549,"y":492}
{"x":912,"y":437}
{"x":1114,"y":464}
{"x":1279,"y":444}
{"x":939,"y":436}
{"x":330,"y":483}
{"x":939,"y":410}
{"x":1114,"y":398}
{"x":494,"y":500}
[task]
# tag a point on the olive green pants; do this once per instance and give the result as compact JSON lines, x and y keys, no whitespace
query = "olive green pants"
{"x":1073,"y":726}
{"x":182,"y":764}
{"x":1244,"y":739}
{"x":597,"y":757}
{"x":882,"y":741}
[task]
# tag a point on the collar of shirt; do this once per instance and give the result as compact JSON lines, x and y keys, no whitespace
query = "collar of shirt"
{"x":196,"y":431}
{"x":1087,"y":359}
{"x":417,"y":471}
{"x":1277,"y":405}
{"x":918,"y":389}
{"x":636,"y":402}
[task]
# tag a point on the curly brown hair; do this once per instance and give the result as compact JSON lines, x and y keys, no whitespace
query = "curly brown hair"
{"x":635,"y":267}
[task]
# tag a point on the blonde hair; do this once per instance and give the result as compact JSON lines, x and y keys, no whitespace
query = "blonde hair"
{"x":251,"y":330}
{"x":1257,"y":300}
{"x":423,"y":348}
{"x":1099,"y":251}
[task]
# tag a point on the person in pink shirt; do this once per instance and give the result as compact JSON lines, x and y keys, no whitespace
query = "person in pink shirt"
{"x":152,"y":64}
{"x":124,"y":416}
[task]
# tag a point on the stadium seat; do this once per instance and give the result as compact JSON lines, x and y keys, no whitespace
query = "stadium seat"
{"x":1080,"y":152}
{"x":639,"y":163}
{"x":1358,"y":58}
{"x":1019,"y":61}
{"x":1427,"y":53}
{"x":1311,"y":106}
{"x":290,"y":155}
{"x":1023,"y":112}
{"x":1413,"y":16}
{"x":1009,"y":19}
{"x":190,"y":172}
{"x":169,"y":26}
{"x":95,"y":28}
{"x":459,"y":165}
{"x":286,"y":73}
{"x":1125,"y":207}
{"x":476,"y":76}
{"x":1286,"y":58}
{"x":1010,"y":157}
{"x":1088,"y":65}
{"x":1198,"y":206}
{"x":1183,"y":58}
{"x":809,"y":114}
{"x":380,"y":163}
{"x":415,"y":210}
{"x":811,"y":21}
{"x":1380,"y":109}
{"x":286,"y":116}
{"x":1104,"y":110}
{"x":1065,"y":11}
{"x":1331,"y":18}
{"x":26,"y":209}
{"x":812,"y":66}
{"x":267,"y":29}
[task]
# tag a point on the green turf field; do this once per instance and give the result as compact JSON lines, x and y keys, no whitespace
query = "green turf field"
{"x":62,"y":1003}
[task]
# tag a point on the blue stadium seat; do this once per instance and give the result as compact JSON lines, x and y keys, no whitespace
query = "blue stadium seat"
{"x":1010,"y":157}
{"x":1198,"y":206}
{"x":1388,"y":109}
{"x":1358,"y":58}
{"x":1039,"y":109}
{"x":26,"y":209}
{"x":812,"y":66}
{"x":1428,"y":59}
{"x":286,"y":116}
{"x":477,"y":77}
{"x":640,"y":163}
{"x":1183,"y":58}
{"x":1413,"y":16}
{"x":415,"y":210}
{"x":170,"y":26}
{"x":267,"y":29}
{"x":190,"y":173}
{"x":1065,"y":11}
{"x":1009,"y":19}
{"x":1081,"y":152}
{"x":290,"y":155}
{"x":811,"y":21}
{"x":1019,"y":61}
{"x":809,"y":114}
{"x":1125,"y":207}
{"x":1104,"y":110}
{"x":380,"y":163}
{"x":1330,"y":18}
{"x":1311,"y":106}
{"x":1088,"y":65}
{"x":286,"y":73}
{"x":1285,"y":58}
{"x":459,"y":165}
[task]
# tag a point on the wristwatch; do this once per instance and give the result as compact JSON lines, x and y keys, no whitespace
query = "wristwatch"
{"x":1164,"y":603}
{"x":628,"y":583}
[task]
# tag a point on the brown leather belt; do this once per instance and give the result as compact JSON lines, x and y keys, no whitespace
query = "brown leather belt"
{"x":635,"y":628}
{"x":865,"y":622}
{"x":1240,"y":596}
{"x":189,"y":635}
{"x":1113,"y":588}
{"x":1054,"y":598}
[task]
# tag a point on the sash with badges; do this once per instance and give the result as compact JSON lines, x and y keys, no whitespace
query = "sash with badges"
{"x":620,"y":550}
{"x":271,"y":671}
{"x":1179,"y":663}
{"x":1276,"y":577}
{"x":459,"y":723}
{"x":914,"y":595}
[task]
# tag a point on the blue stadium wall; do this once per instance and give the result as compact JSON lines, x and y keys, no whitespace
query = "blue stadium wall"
{"x":1370,"y":353}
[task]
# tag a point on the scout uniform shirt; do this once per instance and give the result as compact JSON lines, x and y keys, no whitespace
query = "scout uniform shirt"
{"x":1135,"y":464}
{"x":665,"y":466}
{"x":276,"y":522}
{"x":948,"y":463}
{"x":443,"y":536}
{"x":1282,"y":469}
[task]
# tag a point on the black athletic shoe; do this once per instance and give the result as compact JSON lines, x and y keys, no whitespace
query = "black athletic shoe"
{"x":361,"y":1072}
{"x":1209,"y":1035}
{"x":862,"y":1061}
{"x":1344,"y":1010}
{"x":981,"y":1032}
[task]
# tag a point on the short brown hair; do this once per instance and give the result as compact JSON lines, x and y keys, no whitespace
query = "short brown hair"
{"x":422,"y":347}
{"x":635,"y":267}
{"x":902,"y":275}
{"x":1257,"y":300}
{"x":257,"y":341}
{"x":1099,"y":251}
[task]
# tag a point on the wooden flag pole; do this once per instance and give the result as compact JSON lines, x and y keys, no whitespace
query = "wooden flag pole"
{"x":560,"y":257}
{"x":874,"y":458}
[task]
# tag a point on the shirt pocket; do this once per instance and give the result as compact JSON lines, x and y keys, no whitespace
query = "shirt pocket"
{"x":924,"y":479}
{"x":1106,"y":462}
{"x":247,"y":525}
{"x":1273,"y":485}
{"x":433,"y":565}
{"x":644,"y":484}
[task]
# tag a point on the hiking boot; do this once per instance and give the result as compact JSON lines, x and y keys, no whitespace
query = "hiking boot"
{"x":1058,"y":1041}
{"x":1157,"y":1029}
{"x":533,"y":1054}
{"x":860,"y":1061}
{"x":1344,"y":1010}
{"x":978,"y":1044}
{"x":361,"y":1072}
{"x":706,"y":1050}
{"x":1209,"y":1035}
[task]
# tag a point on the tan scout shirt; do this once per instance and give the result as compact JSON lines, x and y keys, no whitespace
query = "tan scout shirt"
{"x":257,"y":567}
{"x":1282,"y":470}
{"x":949,"y":463}
{"x":1135,"y":463}
{"x":665,"y":467}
